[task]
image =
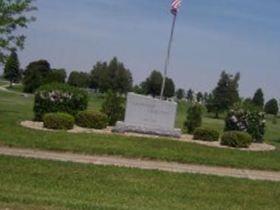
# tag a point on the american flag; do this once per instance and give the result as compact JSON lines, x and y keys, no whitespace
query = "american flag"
{"x":175,"y":6}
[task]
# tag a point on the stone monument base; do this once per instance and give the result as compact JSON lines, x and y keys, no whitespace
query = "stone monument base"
{"x":122,"y":127}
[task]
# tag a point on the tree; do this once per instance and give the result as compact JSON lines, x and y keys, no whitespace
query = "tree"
{"x":98,"y":77}
{"x":152,"y":85}
{"x":194,"y":117}
{"x":56,"y":75}
{"x":180,"y":93}
{"x":138,"y":89}
{"x":79,"y":79}
{"x":35,"y":75}
{"x":113,"y":76}
{"x":258,"y":99}
{"x":271,"y":107}
{"x":12,"y":70}
{"x":120,"y":78}
{"x":190,"y":94}
{"x":169,"y":90}
{"x":13,"y":16}
{"x":226,"y":94}
{"x":199,"y":97}
{"x":113,"y":107}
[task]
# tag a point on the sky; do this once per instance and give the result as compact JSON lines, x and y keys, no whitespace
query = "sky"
{"x":211,"y":36}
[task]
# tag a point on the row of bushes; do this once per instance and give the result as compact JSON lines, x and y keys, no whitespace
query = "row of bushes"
{"x":85,"y":119}
{"x":237,"y":139}
{"x":66,"y":100}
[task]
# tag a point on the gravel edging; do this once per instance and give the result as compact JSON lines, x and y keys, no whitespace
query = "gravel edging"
{"x":185,"y":138}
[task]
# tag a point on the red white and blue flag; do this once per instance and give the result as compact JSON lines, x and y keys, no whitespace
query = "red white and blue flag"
{"x":175,"y":5}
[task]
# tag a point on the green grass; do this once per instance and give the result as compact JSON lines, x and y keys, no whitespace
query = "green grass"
{"x":15,"y":108}
{"x":3,"y":82}
{"x":16,"y":88}
{"x":35,"y":184}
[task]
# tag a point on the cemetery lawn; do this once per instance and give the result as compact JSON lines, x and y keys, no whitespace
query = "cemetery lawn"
{"x":37,"y":184}
{"x":15,"y":108}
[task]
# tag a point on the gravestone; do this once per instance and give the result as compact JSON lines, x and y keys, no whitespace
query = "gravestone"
{"x":149,"y":116}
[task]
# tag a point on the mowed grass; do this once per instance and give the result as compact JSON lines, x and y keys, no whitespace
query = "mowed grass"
{"x":36,"y":184}
{"x":15,"y":108}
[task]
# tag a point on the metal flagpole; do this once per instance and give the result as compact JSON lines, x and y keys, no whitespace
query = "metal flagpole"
{"x":168,"y":55}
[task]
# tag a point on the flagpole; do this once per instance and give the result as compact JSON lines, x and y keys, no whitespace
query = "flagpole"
{"x":168,"y":55}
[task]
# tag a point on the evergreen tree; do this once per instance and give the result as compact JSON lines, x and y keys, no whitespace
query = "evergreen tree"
{"x":169,"y":90}
{"x":79,"y":79}
{"x":180,"y":94}
{"x":113,"y":76}
{"x":199,"y":97}
{"x":12,"y":70}
{"x":226,"y":94}
{"x":152,"y":85}
{"x":56,"y":75}
{"x":258,"y":99}
{"x":271,"y":107}
{"x":35,"y":75}
{"x":190,"y":95}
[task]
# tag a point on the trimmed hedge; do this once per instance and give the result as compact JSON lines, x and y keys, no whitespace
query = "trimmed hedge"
{"x":58,"y":121}
{"x":56,"y":97}
{"x":206,"y":134}
{"x":237,"y":139}
{"x":91,"y":119}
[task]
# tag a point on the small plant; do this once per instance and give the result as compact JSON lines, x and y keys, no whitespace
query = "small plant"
{"x":57,"y":97}
{"x":206,"y":134}
{"x":194,"y":117}
{"x":236,"y":139}
{"x":113,"y":107}
{"x":58,"y":121}
{"x":91,"y":119}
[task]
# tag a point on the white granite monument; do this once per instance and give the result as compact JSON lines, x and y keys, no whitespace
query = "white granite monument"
{"x":149,"y":116}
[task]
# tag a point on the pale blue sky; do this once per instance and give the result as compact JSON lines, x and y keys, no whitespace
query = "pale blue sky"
{"x":236,"y":35}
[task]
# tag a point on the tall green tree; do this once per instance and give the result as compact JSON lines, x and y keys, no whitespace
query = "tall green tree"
{"x":190,"y":95}
{"x":226,"y":94}
{"x":152,"y":85}
{"x":79,"y":79}
{"x":35,"y":75}
{"x":13,"y":16}
{"x":12,"y":70}
{"x":199,"y":97}
{"x":258,"y":99}
{"x":271,"y":107}
{"x":112,"y":76}
{"x":56,"y":75}
{"x":180,"y":93}
{"x":98,"y":77}
{"x":169,"y":90}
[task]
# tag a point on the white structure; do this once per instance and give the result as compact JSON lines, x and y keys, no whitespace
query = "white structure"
{"x":149,"y":116}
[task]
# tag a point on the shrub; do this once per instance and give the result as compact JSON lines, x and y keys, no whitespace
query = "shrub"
{"x":113,"y":107}
{"x":206,"y":134}
{"x":194,"y":117}
{"x":57,"y":97}
{"x":251,"y":122}
{"x":91,"y":119}
{"x":58,"y":121}
{"x":236,"y":139}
